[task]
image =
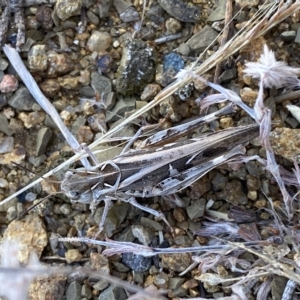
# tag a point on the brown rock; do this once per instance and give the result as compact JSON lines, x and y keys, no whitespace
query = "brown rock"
{"x":37,"y":58}
{"x":176,"y":262}
{"x":68,"y":82}
{"x":50,"y":87}
{"x":249,"y":96}
{"x":67,"y":8}
{"x":73,"y":255}
{"x":233,"y":193}
{"x":226,"y":122}
{"x":85,"y":135}
{"x":9,"y":83}
{"x":100,"y":262}
{"x":173,"y":26}
{"x":150,"y":91}
{"x":286,"y":142}
{"x":200,"y":187}
{"x":190,"y":284}
{"x":179,"y":214}
{"x":48,"y":288}
{"x":59,"y":64}
{"x":32,"y":119}
{"x":44,"y":16}
{"x":16,"y":156}
{"x":30,"y":233}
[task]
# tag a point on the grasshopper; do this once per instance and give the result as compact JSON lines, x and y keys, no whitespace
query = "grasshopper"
{"x":155,"y":169}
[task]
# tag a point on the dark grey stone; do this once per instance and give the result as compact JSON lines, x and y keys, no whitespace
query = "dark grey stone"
{"x":196,"y":210}
{"x":219,"y":181}
{"x":22,"y":99}
{"x":136,"y":262}
{"x":43,"y":137}
{"x":203,"y":38}
{"x":113,"y":293}
{"x":74,"y":291}
{"x":136,"y":69}
{"x":101,"y":84}
{"x":4,"y":126}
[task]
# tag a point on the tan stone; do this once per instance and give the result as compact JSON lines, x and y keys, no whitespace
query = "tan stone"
{"x":31,"y":235}
{"x":73,"y":255}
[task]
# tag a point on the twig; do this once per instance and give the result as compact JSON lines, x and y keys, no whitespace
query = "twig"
{"x":227,"y":20}
{"x":168,"y":38}
{"x":294,"y":95}
{"x":25,"y":3}
{"x":289,"y":290}
{"x":127,"y":247}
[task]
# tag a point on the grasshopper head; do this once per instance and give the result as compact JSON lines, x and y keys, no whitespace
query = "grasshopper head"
{"x":76,"y":188}
{"x":84,"y":198}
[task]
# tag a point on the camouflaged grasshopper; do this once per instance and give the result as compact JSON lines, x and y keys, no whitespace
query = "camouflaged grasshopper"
{"x":155,"y":170}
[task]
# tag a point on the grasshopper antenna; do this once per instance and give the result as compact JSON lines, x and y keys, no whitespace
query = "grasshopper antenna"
{"x":42,"y":200}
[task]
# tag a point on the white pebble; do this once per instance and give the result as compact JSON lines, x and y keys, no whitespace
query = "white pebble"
{"x":3,"y":183}
{"x":116,"y":44}
{"x":30,"y":197}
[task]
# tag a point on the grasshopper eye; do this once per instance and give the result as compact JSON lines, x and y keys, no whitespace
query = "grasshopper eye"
{"x":73,"y":194}
{"x":69,"y":174}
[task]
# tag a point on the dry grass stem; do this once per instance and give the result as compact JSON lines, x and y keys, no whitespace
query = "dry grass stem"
{"x":227,"y":23}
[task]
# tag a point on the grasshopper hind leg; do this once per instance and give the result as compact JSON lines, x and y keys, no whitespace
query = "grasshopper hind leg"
{"x":151,"y":211}
{"x":107,"y":206}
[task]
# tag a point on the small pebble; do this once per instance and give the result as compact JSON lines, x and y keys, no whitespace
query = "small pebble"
{"x":6,"y":145}
{"x":130,"y":15}
{"x":22,"y":100}
{"x":37,"y":58}
{"x":73,"y":255}
{"x":143,"y":234}
{"x":100,"y":285}
{"x":150,"y":91}
{"x":66,"y":209}
{"x":99,"y":41}
{"x":116,"y":44}
{"x":100,"y":263}
{"x":9,"y":83}
{"x":3,"y":183}
{"x":176,"y":262}
{"x":113,"y":293}
{"x":3,"y":64}
{"x":173,"y":26}
{"x":11,"y":213}
{"x":203,"y":38}
{"x":196,"y":210}
{"x":86,"y":292}
{"x":58,"y":64}
{"x":184,"y":49}
{"x":67,"y":8}
{"x":74,"y":291}
{"x":136,"y":262}
{"x":44,"y":16}
{"x":179,"y":214}
{"x":104,"y":63}
{"x":161,"y":280}
{"x":50,"y":87}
